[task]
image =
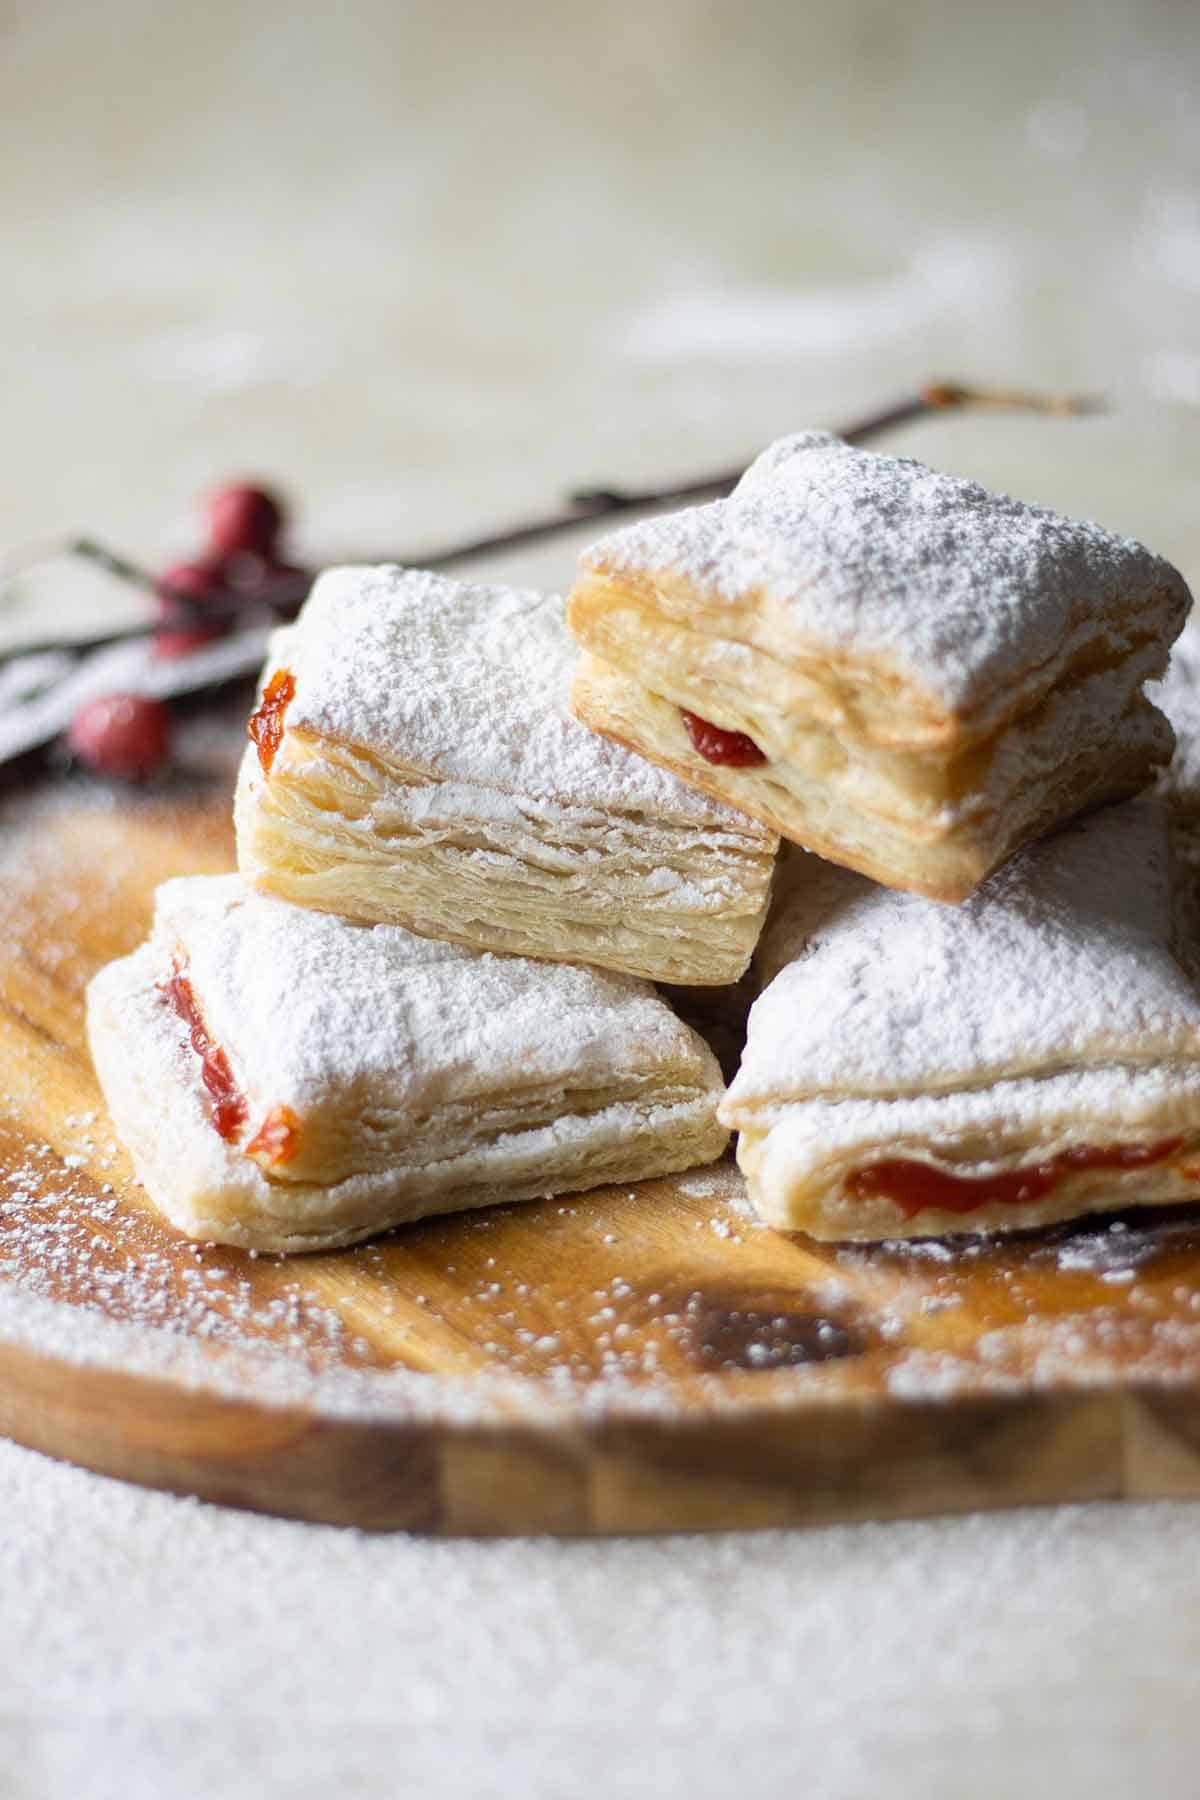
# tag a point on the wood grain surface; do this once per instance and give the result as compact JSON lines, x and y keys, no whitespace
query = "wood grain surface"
{"x":632,"y":1360}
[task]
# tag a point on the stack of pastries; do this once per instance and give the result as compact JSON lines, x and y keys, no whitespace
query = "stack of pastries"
{"x":880,"y":731}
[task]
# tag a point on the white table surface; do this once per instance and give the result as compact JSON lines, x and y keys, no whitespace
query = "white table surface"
{"x":428,"y":264}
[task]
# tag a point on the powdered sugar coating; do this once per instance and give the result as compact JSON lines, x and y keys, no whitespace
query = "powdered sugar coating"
{"x":962,"y":592}
{"x":1179,"y":697}
{"x":314,"y":1011}
{"x":1063,"y":959}
{"x":468,"y":683}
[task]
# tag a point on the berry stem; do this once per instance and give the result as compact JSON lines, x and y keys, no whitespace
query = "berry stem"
{"x":586,"y":504}
{"x":111,"y":562}
{"x":582,"y":505}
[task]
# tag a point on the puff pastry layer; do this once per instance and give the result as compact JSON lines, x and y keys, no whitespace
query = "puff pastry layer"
{"x":932,"y":674}
{"x":428,"y":772}
{"x":913,"y":1070}
{"x":285,"y":1080}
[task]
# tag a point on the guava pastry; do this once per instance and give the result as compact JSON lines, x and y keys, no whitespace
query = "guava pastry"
{"x":416,"y":762}
{"x":286,"y":1080}
{"x":913,"y":1069}
{"x":898,"y":670}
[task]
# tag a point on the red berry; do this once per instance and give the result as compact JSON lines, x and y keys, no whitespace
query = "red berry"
{"x":243,"y":518}
{"x":127,"y":735}
{"x":282,"y":585}
{"x":202,"y":583}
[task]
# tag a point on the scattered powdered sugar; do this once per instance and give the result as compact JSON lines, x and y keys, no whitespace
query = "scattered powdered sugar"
{"x":704,"y":1184}
{"x":1122,"y":1247}
{"x":940,"y":1375}
{"x":966,"y":593}
{"x":109,"y":1262}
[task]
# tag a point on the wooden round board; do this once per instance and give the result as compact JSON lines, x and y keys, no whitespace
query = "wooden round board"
{"x":632,"y":1360}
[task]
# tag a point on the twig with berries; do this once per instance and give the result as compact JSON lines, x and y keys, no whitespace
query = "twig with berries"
{"x":109,"y":693}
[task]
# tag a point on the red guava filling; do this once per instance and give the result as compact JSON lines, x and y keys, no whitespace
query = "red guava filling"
{"x":277,"y":1139}
{"x":728,"y":749}
{"x":266,"y":724}
{"x":229,"y":1103}
{"x":915,"y":1186}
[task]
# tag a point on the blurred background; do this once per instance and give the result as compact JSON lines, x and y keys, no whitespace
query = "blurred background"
{"x":428,"y":264}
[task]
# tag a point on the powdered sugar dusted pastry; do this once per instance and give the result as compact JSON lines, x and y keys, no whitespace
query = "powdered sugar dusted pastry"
{"x":895,"y":668}
{"x":285,"y":1080}
{"x":913,"y":1069}
{"x":417,"y":762}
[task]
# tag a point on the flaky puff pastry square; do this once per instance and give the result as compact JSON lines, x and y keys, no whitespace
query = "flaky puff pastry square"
{"x":913,"y":1069}
{"x":285,"y":1080}
{"x":417,"y":763}
{"x":906,"y":673}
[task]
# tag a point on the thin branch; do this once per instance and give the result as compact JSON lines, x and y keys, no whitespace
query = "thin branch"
{"x":587,"y":505}
{"x":582,"y":507}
